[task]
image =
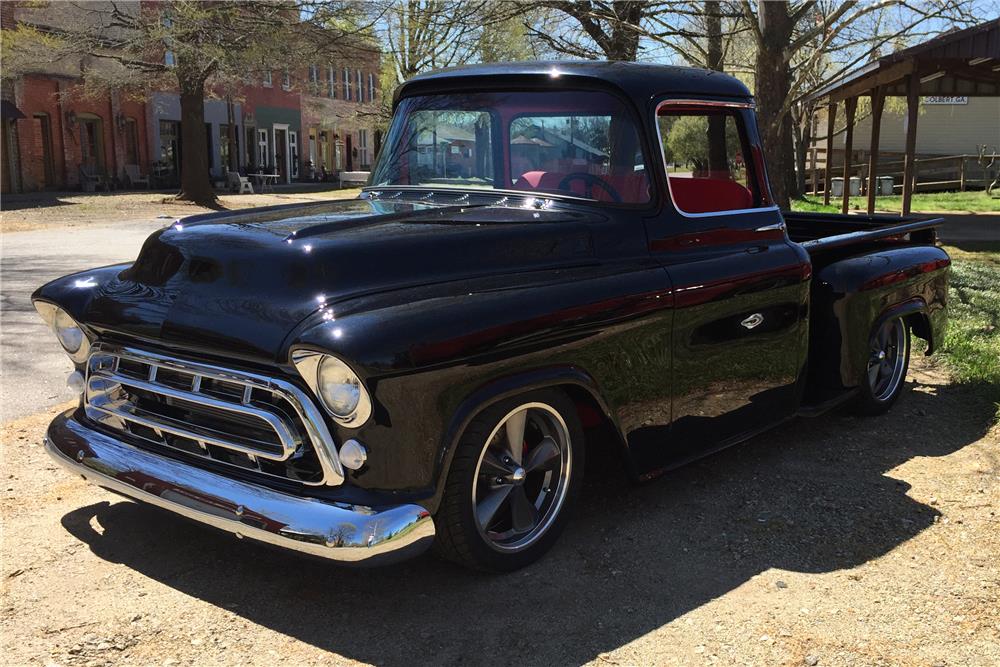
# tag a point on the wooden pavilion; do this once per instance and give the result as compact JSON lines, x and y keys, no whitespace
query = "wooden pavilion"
{"x":959,"y":63}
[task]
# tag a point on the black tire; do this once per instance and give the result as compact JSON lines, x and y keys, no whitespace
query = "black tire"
{"x":883,"y":379}
{"x":460,"y":536}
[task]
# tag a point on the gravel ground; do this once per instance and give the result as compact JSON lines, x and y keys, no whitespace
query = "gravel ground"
{"x":833,"y":541}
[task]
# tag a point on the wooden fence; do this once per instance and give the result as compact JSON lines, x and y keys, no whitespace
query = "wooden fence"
{"x":946,"y":172}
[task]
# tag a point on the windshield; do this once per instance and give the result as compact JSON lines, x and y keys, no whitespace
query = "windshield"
{"x":582,"y":144}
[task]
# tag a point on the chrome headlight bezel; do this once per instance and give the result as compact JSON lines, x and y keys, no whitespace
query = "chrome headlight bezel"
{"x":309,"y":364}
{"x":72,"y":337}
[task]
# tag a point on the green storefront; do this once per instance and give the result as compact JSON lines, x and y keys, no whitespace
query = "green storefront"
{"x":277,"y":139}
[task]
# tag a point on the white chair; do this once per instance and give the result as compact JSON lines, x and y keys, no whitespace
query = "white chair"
{"x":240,"y":184}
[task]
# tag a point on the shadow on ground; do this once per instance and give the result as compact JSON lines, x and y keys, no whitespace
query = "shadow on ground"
{"x":812,"y":496}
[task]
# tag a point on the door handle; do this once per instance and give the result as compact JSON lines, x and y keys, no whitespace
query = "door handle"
{"x":752,"y":321}
{"x":776,"y":227}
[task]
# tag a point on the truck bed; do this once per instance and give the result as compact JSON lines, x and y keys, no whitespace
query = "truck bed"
{"x":818,"y":232}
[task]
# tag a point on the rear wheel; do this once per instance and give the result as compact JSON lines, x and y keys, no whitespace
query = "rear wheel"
{"x":514,"y":477}
{"x":888,"y":360}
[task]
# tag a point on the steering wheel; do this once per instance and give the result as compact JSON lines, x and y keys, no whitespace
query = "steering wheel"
{"x":589,"y":181}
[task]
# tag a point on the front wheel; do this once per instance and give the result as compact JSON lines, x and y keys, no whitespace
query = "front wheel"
{"x":888,"y":360}
{"x":515,"y":475}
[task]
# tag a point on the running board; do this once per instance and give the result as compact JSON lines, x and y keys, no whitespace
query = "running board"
{"x":817,"y":409}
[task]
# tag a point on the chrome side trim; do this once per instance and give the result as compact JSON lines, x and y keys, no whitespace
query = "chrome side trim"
{"x":308,"y":414}
{"x":351,"y":534}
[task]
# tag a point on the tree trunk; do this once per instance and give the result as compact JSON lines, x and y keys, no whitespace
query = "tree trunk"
{"x":718,"y":158}
{"x":196,"y":185}
{"x":623,"y":43}
{"x":772,"y":83}
{"x":713,"y":30}
{"x":802,"y":121}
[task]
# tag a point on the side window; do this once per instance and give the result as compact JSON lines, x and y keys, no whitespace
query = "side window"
{"x":707,"y":159}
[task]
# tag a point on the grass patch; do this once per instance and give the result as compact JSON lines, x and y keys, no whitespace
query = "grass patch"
{"x":977,"y":202}
{"x":972,"y":346}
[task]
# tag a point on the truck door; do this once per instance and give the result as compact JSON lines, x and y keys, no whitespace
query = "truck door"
{"x":740,"y":287}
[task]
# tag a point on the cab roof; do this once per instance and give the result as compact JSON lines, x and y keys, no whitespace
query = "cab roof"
{"x":638,"y":81}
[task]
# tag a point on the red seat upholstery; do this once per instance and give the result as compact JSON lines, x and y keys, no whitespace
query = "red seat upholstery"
{"x":632,"y":188}
{"x":706,"y":195}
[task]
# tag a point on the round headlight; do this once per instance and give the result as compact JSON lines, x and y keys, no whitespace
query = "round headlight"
{"x":68,"y":332}
{"x":339,"y":387}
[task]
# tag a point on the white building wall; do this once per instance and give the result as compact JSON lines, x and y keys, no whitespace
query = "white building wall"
{"x":942,"y":129}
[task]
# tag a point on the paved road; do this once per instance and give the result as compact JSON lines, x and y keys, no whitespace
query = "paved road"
{"x":966,"y":228}
{"x":34,"y":368}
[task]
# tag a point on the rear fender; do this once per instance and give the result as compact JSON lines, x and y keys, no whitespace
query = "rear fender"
{"x":854,"y":295}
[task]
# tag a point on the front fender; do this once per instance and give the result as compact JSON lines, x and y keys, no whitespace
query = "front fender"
{"x":854,"y":295}
{"x":431,"y":364}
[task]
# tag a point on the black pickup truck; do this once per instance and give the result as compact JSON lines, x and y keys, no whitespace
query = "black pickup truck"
{"x":550,"y":259}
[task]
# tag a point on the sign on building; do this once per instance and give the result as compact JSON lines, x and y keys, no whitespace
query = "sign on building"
{"x":946,"y":99}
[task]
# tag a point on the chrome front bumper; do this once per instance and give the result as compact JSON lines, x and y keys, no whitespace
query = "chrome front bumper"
{"x":347,"y":533}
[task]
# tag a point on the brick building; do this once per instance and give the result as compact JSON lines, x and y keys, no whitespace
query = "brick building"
{"x":61,"y":130}
{"x":339,"y":106}
{"x":300,"y":125}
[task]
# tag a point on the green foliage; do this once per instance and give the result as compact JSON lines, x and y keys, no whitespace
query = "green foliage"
{"x":687,"y":139}
{"x":976,"y":201}
{"x":972,"y":346}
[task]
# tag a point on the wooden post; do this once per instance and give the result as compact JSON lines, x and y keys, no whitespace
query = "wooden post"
{"x":878,"y":103}
{"x":850,"y":106}
{"x":815,"y":172}
{"x":961,"y":175}
{"x":831,"y":115}
{"x":909,"y":166}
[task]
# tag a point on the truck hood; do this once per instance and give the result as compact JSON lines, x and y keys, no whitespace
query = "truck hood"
{"x":240,"y":283}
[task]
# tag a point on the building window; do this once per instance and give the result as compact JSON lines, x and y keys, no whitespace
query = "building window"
{"x":168,"y":55}
{"x":170,"y":145}
{"x":224,"y":147}
{"x":314,"y":79}
{"x":263,"y":159}
{"x":347,"y":84}
{"x":267,"y":79}
{"x":286,"y":80}
{"x":371,"y":86}
{"x":331,"y":75}
{"x":363,"y":148}
{"x":131,"y":141}
{"x":361,"y":87}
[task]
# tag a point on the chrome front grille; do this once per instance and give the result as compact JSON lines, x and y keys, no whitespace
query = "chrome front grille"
{"x":250,"y":421}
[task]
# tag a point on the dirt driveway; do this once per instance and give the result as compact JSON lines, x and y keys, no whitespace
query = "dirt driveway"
{"x":834,"y":541}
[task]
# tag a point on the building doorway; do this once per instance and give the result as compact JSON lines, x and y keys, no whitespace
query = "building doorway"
{"x":43,"y":134}
{"x":92,"y":142}
{"x":168,"y":168}
{"x":281,"y":152}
